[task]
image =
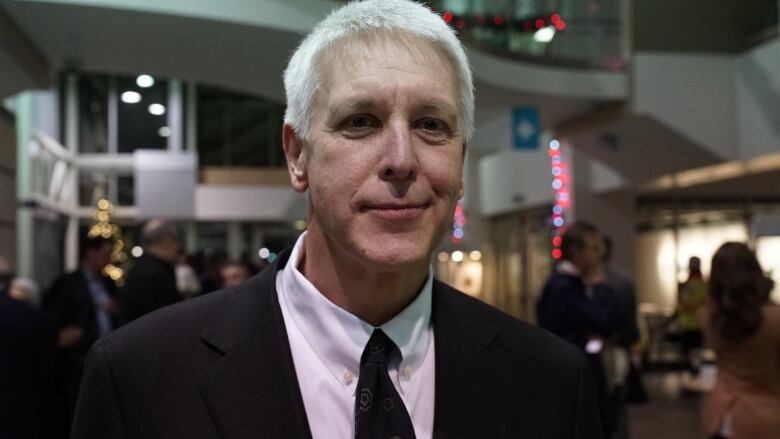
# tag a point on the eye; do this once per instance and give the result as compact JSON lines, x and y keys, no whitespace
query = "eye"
{"x":434,"y":129}
{"x":359,"y":124}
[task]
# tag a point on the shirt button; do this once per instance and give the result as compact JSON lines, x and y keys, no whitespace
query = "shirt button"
{"x":407,"y":373}
{"x":348,"y":377}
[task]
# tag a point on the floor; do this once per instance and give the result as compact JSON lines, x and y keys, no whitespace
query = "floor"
{"x":670,"y":412}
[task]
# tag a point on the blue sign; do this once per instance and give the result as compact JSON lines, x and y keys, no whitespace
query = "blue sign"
{"x":525,"y":128}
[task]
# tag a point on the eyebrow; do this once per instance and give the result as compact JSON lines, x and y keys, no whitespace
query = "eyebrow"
{"x":350,"y":105}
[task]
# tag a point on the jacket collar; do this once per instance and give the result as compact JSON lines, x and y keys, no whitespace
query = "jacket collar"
{"x":251,"y":389}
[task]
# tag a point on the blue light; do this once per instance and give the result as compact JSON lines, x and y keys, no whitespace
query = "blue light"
{"x":558,"y":221}
{"x":554,"y":144}
{"x":557,"y":209}
{"x":458,"y":233}
{"x":556,"y":171}
{"x":556,"y":184}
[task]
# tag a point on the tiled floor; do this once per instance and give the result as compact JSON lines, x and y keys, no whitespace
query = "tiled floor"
{"x":669,"y":414}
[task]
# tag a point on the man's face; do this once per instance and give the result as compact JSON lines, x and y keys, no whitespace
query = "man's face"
{"x":100,"y":257}
{"x":589,"y":257}
{"x":233,"y":275}
{"x":383,"y":161}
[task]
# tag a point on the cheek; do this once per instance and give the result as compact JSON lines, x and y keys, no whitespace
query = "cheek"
{"x":446,"y":177}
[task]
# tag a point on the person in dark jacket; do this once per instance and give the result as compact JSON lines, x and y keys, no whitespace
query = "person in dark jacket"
{"x":26,"y":349}
{"x":579,"y":311}
{"x":82,"y":307}
{"x":151,"y":283}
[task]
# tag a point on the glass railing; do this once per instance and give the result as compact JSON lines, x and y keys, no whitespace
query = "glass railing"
{"x":570,"y":33}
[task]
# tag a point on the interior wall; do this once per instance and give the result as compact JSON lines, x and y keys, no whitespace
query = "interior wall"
{"x":7,"y":187}
{"x":694,"y":94}
{"x":662,"y":257}
{"x":758,"y":100}
{"x":612,"y":213}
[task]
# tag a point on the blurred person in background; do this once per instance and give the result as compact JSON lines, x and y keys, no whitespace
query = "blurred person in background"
{"x":26,"y":350}
{"x":25,"y":290}
{"x":150,"y":283}
{"x":210,"y":279}
{"x":742,"y":325}
{"x":233,"y":273}
{"x":187,"y":281}
{"x":580,"y":311}
{"x":624,"y":382}
{"x":82,"y":307}
{"x":691,"y":296}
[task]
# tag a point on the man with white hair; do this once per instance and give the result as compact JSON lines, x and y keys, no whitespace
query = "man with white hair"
{"x":348,"y":334}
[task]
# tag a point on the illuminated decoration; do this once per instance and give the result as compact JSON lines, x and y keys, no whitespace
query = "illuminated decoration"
{"x":458,"y":223}
{"x":529,"y":24}
{"x":560,"y":184}
{"x":103,"y":227}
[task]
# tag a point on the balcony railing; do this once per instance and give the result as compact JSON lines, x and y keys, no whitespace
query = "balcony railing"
{"x":570,"y":33}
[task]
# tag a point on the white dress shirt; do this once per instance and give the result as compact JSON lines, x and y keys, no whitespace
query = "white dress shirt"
{"x":326,"y":343}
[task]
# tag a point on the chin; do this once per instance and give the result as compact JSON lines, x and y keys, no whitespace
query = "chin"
{"x":393,"y":255}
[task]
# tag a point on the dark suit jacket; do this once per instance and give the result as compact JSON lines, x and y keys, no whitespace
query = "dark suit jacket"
{"x":26,"y":349}
{"x":220,"y":366}
{"x":150,"y":284}
{"x":69,"y":302}
{"x":565,"y":309}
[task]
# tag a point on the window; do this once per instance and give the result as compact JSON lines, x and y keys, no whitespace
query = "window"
{"x":93,"y":113}
{"x":238,"y":130}
{"x":142,"y":120}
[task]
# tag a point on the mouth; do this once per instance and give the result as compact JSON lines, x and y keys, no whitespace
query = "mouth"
{"x":395,"y":211}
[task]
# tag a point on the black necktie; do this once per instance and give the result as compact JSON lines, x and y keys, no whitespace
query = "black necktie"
{"x":380,"y":412}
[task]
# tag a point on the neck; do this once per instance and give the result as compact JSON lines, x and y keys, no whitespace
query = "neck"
{"x":373,"y":295}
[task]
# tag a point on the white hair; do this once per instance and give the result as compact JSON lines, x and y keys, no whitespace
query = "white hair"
{"x":302,"y":75}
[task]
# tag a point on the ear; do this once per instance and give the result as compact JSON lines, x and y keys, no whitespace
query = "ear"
{"x":463,"y":166}
{"x":296,"y":163}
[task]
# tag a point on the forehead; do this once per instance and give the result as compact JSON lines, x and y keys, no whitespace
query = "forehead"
{"x":385,"y":50}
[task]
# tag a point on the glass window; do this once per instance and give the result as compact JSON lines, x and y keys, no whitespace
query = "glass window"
{"x":125,"y":190}
{"x":93,"y":186}
{"x":142,"y":114}
{"x":238,"y":130}
{"x":93,"y":113}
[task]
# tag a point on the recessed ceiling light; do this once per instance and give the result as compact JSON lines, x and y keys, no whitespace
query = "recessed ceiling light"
{"x":131,"y":97}
{"x":144,"y":81}
{"x":157,"y":109}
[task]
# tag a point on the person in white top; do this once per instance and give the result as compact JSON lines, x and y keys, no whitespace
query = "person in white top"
{"x":348,"y":335}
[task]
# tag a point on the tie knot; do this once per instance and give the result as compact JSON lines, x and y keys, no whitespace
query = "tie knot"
{"x":378,"y":349}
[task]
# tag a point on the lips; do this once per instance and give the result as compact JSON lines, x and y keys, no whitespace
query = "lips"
{"x":396,"y":211}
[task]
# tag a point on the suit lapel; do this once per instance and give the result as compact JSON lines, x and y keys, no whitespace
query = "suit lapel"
{"x":469,"y":399}
{"x":251,"y":389}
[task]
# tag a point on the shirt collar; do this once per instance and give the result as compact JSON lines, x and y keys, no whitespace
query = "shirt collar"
{"x":338,"y":338}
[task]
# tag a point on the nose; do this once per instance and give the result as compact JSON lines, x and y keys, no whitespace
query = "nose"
{"x":400,"y":158}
